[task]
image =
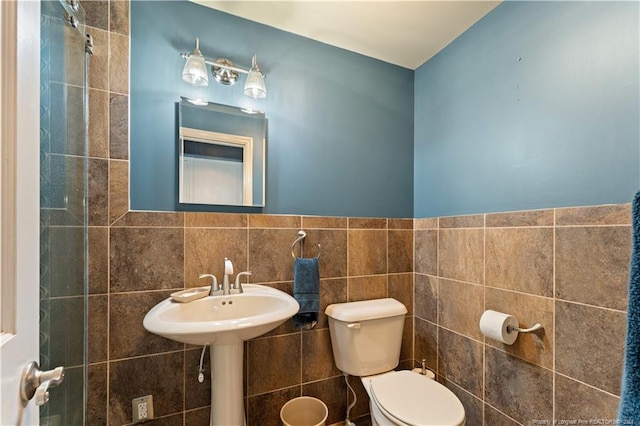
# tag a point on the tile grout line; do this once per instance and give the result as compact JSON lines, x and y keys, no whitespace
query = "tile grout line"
{"x":184,"y":346}
{"x":484,"y":307}
{"x":553,"y":365}
{"x":245,"y":345}
{"x":438,"y":297}
{"x":109,"y":222}
{"x":386,"y":263}
{"x":552,"y":298}
{"x":589,"y":386}
{"x":348,"y":279}
{"x":301,"y":354}
{"x":413,"y":294}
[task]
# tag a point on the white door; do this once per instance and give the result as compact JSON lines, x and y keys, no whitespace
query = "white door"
{"x":19,"y":256}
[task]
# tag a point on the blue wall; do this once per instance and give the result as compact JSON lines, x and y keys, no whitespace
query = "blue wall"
{"x":340,"y":125}
{"x":535,"y":106}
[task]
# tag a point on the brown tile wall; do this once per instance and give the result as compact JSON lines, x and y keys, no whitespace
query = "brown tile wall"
{"x":565,"y":268}
{"x":149,"y":255}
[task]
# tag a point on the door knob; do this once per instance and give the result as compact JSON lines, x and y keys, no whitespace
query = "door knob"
{"x":37,"y":382}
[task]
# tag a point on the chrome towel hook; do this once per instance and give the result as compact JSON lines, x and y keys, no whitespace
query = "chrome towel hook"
{"x":301,"y":236}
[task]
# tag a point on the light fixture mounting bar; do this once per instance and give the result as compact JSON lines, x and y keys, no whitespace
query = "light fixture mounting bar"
{"x":219,"y":65}
{"x":228,"y":67}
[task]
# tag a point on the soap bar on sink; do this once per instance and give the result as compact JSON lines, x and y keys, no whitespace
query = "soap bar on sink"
{"x":190,"y":294}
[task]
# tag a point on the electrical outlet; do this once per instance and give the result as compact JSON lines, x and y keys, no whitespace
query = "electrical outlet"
{"x":142,"y":408}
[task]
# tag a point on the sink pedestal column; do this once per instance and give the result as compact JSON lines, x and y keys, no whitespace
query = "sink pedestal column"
{"x":227,"y":396}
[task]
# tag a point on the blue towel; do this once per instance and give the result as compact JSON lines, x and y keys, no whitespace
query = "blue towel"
{"x":306,"y":290}
{"x":629,"y":409}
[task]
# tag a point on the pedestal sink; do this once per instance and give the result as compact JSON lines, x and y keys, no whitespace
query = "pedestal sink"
{"x":223,"y":323}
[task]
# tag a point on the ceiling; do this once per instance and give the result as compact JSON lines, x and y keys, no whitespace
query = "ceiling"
{"x":405,"y":33}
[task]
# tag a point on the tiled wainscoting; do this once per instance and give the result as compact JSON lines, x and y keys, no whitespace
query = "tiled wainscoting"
{"x":565,"y":268}
{"x":149,"y":255}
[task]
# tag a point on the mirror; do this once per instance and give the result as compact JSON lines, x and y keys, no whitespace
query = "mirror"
{"x":221,"y":154}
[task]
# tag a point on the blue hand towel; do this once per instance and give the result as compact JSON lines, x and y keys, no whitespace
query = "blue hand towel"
{"x":306,"y":290}
{"x":629,"y":409}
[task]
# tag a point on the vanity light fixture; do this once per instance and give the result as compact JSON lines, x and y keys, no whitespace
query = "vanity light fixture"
{"x":254,"y":86}
{"x":195,"y":69}
{"x":224,"y":71}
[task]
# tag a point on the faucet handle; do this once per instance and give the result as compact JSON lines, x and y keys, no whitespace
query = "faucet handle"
{"x":214,"y":281}
{"x":238,"y":284}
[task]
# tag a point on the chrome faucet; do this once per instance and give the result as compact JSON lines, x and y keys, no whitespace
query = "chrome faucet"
{"x":214,"y":283}
{"x":228,"y":270}
{"x":238,"y":284}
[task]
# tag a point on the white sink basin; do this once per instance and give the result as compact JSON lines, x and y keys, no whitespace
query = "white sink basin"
{"x":222,"y":320}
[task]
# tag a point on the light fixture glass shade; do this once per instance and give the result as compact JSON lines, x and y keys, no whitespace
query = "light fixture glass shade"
{"x":254,"y":87}
{"x":195,"y":70}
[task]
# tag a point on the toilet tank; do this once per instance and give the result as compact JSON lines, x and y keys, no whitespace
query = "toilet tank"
{"x":366,"y":336}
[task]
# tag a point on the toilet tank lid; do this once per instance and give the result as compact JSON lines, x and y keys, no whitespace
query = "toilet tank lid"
{"x":365,"y":310}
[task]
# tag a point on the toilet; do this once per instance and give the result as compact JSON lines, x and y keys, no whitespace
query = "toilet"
{"x":366,"y":337}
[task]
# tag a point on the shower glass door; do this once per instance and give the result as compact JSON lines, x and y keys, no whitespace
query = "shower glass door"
{"x":63,"y":208}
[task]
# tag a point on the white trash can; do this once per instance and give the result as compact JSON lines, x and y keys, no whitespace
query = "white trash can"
{"x":304,"y":411}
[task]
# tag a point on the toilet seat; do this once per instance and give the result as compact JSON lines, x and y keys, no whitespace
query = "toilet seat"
{"x":410,"y":399}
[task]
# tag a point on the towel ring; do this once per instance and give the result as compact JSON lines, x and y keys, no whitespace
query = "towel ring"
{"x":301,"y":236}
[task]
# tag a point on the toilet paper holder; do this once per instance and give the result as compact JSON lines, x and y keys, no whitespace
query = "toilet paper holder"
{"x":503,"y":327}
{"x":535,"y":328}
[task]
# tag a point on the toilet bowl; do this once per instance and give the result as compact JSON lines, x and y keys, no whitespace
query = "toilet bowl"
{"x":405,"y":398}
{"x":366,"y":337}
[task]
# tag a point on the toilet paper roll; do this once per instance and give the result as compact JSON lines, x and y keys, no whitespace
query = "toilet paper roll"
{"x":494,"y":325}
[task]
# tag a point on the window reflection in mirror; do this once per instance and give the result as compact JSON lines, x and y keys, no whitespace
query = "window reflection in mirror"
{"x":221,"y":155}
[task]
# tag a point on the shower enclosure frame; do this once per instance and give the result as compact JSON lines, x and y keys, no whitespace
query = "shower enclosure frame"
{"x":65,"y":50}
